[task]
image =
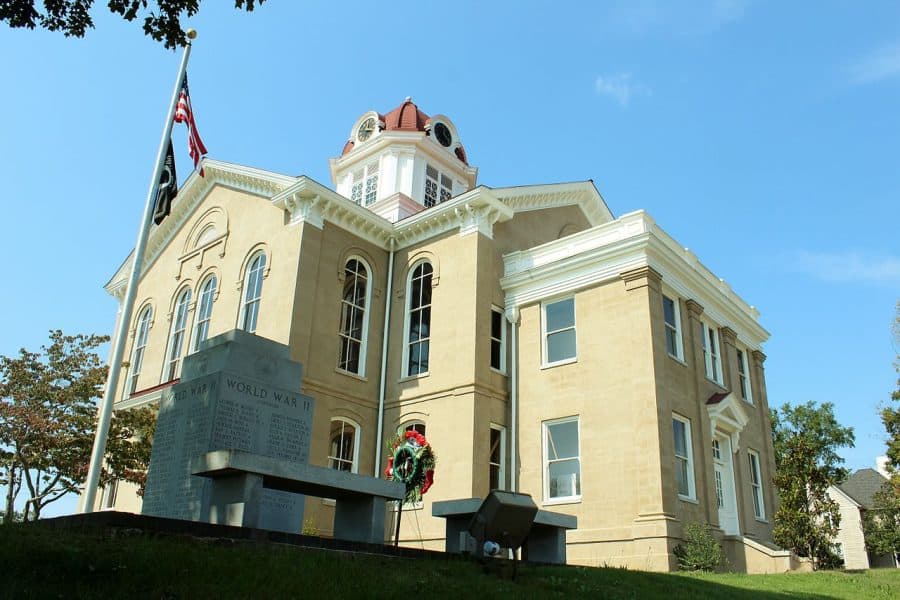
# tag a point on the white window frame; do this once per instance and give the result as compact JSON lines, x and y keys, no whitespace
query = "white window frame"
{"x":496,"y":310}
{"x":357,"y":183}
{"x":545,"y":430}
{"x":408,"y":316}
{"x":256,"y":300}
{"x":370,"y":188}
{"x":689,"y":459}
{"x":545,"y":362}
{"x":674,"y":328}
{"x":712,"y":356}
{"x":180,"y":317}
{"x":442,"y":192}
{"x":501,"y":466}
{"x":744,"y":382}
{"x":357,"y":431}
{"x":363,"y":342}
{"x":756,"y":483}
{"x":208,"y":291}
{"x":141,"y":336}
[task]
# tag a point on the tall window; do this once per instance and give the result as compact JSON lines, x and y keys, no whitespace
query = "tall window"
{"x":744,"y":376}
{"x":343,"y":453}
{"x":438,"y":187}
{"x":371,"y":192}
{"x":673,"y":328}
{"x":497,"y":459}
{"x":140,"y":344}
{"x":204,"y":312}
{"x":353,"y":318}
{"x":252,"y":292}
{"x":684,"y":457}
{"x":419,"y":323}
{"x":562,"y":462}
{"x":711,"y":356}
{"x":759,"y":507}
{"x":498,"y":340}
{"x":356,"y":189}
{"x":559,"y":331}
{"x":176,"y":340}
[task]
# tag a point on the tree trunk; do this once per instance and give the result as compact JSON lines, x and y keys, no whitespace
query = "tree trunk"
{"x":10,"y":495}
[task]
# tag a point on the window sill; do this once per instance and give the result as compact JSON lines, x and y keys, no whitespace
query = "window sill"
{"x":498,"y":371}
{"x":559,"y":363}
{"x":718,"y":383}
{"x":688,"y":499}
{"x":351,"y":374}
{"x":407,"y":378}
{"x":560,"y":501}
{"x":763,"y":520}
{"x":680,"y":361}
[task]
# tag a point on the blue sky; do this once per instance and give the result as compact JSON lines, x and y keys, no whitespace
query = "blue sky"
{"x":765,"y":136}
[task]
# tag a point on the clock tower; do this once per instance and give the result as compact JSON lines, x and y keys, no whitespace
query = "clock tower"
{"x":402,"y":162}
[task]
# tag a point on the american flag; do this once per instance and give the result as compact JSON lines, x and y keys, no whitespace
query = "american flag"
{"x":184,"y":114}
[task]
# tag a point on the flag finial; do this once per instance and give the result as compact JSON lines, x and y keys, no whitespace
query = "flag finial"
{"x":191,"y":34}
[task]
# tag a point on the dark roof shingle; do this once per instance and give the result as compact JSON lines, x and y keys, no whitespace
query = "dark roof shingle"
{"x":862,"y":486}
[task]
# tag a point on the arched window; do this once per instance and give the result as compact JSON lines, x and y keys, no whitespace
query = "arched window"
{"x":418,"y":426}
{"x":419,"y":319}
{"x":343,"y":453}
{"x":354,"y":325}
{"x":204,"y":312}
{"x":140,"y":344}
{"x":252,"y":293}
{"x":176,"y":340}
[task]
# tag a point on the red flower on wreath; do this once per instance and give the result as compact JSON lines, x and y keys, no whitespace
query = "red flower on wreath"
{"x":390,"y":467}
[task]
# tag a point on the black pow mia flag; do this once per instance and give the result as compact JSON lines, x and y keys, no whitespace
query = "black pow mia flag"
{"x":168,"y":187}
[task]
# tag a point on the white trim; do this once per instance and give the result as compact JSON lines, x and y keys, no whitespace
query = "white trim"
{"x":357,"y":435}
{"x":404,"y":371}
{"x":195,"y":341}
{"x":728,"y":415}
{"x":545,"y":461}
{"x":497,"y":310}
{"x":679,"y":342}
{"x":757,"y":488}
{"x":604,"y":252}
{"x":182,"y":300}
{"x":712,"y":352}
{"x":689,"y":447}
{"x":744,"y":378}
{"x":248,"y":269}
{"x":545,"y":362}
{"x":131,"y":382}
{"x":364,"y":341}
{"x":501,"y":476}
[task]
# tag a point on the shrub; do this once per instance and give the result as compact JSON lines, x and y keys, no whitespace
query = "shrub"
{"x":700,"y":551}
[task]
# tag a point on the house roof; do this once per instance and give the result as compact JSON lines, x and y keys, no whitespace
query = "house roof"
{"x":862,"y":486}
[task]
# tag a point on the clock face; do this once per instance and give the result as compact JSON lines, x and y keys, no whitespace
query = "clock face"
{"x":442,"y":134}
{"x":366,"y":129}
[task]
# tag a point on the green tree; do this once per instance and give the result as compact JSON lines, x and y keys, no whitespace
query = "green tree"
{"x":881,"y":522}
{"x":806,"y":439}
{"x":162,"y":18}
{"x":47,"y":423}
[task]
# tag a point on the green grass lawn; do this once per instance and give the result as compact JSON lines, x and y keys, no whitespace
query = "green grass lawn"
{"x":36,"y":562}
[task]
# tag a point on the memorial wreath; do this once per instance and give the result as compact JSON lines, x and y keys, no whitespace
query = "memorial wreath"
{"x":411,"y":461}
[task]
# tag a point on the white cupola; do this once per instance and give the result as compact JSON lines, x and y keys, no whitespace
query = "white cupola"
{"x":402,"y":162}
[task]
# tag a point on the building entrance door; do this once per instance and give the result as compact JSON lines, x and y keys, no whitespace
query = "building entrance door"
{"x":724,"y":482}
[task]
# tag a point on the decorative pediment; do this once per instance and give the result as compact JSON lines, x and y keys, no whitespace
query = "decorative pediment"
{"x":727,"y":416}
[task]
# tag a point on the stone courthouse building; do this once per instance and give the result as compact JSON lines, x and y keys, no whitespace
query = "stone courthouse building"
{"x":540,"y":343}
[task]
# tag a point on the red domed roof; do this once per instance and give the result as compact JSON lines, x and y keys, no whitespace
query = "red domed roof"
{"x":406,"y":117}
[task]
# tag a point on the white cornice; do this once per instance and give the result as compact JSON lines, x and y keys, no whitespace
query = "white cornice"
{"x":604,"y":252}
{"x":728,"y":416}
{"x":195,"y":189}
{"x":552,"y":195}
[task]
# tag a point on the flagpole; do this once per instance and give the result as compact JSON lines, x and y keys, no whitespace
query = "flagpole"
{"x":88,"y":499}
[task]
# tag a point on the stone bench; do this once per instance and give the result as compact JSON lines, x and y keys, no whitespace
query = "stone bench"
{"x":238,"y":479}
{"x":546,"y":542}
